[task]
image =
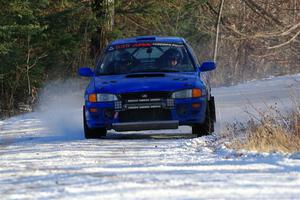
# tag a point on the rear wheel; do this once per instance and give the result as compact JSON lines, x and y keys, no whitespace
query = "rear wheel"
{"x":92,"y":133}
{"x":207,"y":127}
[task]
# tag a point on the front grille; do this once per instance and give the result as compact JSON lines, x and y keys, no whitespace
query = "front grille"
{"x":145,"y":115}
{"x":145,"y":95}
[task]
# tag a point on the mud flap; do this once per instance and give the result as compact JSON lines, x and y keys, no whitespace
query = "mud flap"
{"x":212,"y":108}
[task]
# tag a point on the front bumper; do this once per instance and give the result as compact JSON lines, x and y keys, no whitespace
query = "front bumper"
{"x":150,"y":125}
{"x":136,"y":115}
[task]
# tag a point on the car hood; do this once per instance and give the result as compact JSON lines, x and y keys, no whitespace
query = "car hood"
{"x":140,"y":82}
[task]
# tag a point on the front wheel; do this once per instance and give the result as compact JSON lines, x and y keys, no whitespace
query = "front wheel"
{"x":92,"y":133}
{"x":207,"y":127}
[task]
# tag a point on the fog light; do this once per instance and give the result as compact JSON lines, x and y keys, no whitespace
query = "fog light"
{"x":118,"y":105}
{"x":170,"y":102}
{"x":196,"y":105}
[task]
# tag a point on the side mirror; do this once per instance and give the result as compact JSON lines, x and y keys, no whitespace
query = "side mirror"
{"x":207,"y":66}
{"x":85,"y":71}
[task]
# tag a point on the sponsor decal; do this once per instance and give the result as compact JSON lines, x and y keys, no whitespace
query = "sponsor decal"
{"x":135,"y":45}
{"x":144,"y":96}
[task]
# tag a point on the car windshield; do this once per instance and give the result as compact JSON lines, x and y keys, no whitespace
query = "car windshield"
{"x":144,"y":57}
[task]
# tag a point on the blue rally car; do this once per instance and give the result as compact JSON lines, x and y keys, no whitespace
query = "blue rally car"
{"x":148,"y":83}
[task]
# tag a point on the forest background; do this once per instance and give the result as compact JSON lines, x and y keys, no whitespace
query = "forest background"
{"x":44,"y":40}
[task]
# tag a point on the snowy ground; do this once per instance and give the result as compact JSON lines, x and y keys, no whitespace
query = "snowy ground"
{"x":44,"y":156}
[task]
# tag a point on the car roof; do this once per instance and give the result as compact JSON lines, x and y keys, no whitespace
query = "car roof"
{"x":141,"y":39}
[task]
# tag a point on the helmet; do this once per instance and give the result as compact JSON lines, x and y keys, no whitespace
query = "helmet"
{"x":174,"y":56}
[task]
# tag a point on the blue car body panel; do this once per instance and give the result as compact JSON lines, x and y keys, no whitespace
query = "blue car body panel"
{"x":169,"y":82}
{"x":181,"y":110}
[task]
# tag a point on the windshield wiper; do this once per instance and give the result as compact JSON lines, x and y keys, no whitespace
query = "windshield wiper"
{"x":152,"y":70}
{"x":103,"y":74}
{"x":168,"y":70}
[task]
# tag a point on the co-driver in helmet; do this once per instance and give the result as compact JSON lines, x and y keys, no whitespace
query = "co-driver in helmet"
{"x":174,"y":57}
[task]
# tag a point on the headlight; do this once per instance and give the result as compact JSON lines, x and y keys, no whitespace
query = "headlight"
{"x":106,"y":97}
{"x":191,"y":93}
{"x":102,"y":97}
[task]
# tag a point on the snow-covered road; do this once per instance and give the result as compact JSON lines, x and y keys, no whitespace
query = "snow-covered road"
{"x":37,"y":163}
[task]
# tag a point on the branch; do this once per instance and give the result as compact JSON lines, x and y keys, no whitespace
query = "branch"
{"x":262,"y":12}
{"x":211,"y":8}
{"x":36,"y":60}
{"x":285,"y":43}
{"x":287,"y":32}
{"x":133,"y":21}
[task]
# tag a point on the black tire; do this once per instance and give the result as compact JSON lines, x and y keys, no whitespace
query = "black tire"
{"x":94,"y":133}
{"x":207,"y":127}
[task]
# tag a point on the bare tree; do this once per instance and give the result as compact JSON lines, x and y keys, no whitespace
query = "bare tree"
{"x":218,"y":30}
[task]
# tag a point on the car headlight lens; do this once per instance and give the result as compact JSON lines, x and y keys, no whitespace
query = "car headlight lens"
{"x":106,"y":97}
{"x":101,"y":97}
{"x":191,"y":93}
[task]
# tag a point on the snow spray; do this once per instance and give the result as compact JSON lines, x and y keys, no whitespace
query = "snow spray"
{"x":60,"y":108}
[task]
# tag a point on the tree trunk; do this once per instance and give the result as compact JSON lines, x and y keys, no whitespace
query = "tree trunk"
{"x":104,"y":11}
{"x":28,"y":65}
{"x":218,"y":30}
